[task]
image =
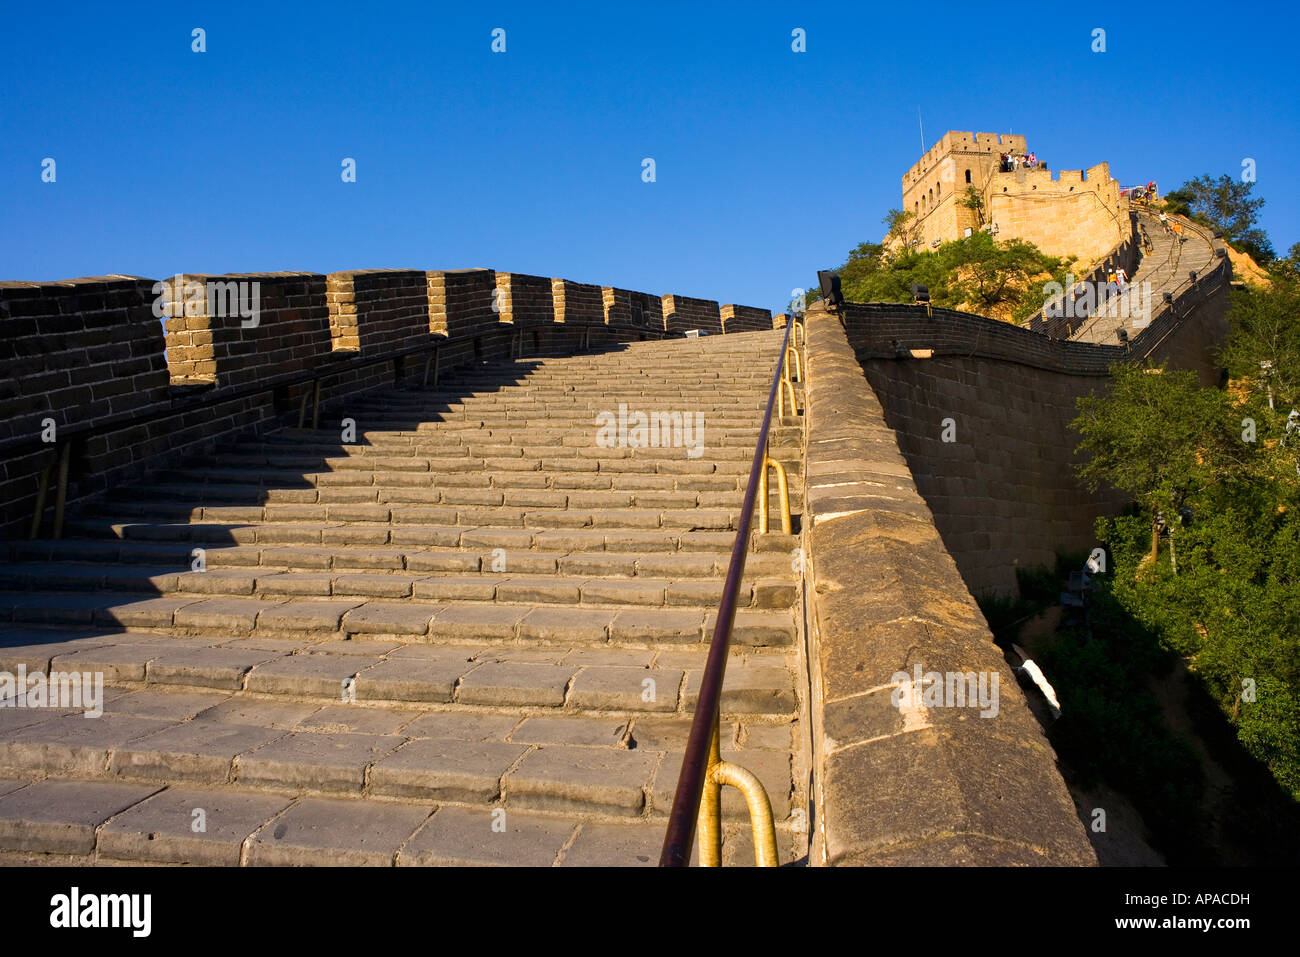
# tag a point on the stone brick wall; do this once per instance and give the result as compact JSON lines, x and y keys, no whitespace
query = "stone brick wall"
{"x":1069,"y":213}
{"x":89,"y":353}
{"x":77,"y":352}
{"x":1005,"y":492}
{"x":637,"y":309}
{"x":1063,"y":214}
{"x":745,"y":318}
{"x":577,"y":301}
{"x":525,"y":299}
{"x":460,"y":302}
{"x":373,"y":309}
{"x":683,"y":312}
{"x":916,"y":785}
{"x":290,"y":331}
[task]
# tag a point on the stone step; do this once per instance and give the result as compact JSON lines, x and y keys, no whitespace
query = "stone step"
{"x":470,"y":516}
{"x":768,"y":559}
{"x":286,"y":482}
{"x":698,"y":563}
{"x":356,"y":677}
{"x":574,"y":584}
{"x":529,"y":679}
{"x":532,"y":498}
{"x":660,"y":461}
{"x":628,"y":624}
{"x":414,"y":441}
{"x":567,"y":731}
{"x":363,"y":544}
{"x":271,"y":451}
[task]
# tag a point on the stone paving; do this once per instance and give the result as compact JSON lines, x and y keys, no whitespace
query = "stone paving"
{"x":472,"y":634}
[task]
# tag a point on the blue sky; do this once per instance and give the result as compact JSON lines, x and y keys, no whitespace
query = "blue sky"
{"x":769,"y":163}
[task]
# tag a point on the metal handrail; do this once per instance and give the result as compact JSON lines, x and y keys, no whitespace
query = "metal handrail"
{"x":704,"y":726}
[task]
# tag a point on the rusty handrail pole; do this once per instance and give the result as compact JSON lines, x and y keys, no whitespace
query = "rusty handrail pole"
{"x":690,"y":782}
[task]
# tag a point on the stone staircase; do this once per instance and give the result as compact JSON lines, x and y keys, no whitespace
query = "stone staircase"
{"x":471,"y":633}
{"x":1166,"y":268}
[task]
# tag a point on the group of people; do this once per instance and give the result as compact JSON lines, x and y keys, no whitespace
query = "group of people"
{"x":1171,"y":227}
{"x":1116,"y":280}
{"x":1014,"y":161}
{"x":1145,"y":193}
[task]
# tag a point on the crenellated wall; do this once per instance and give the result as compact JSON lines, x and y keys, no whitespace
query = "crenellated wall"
{"x":577,"y":301}
{"x":637,"y":309}
{"x":745,"y":318}
{"x":524,"y":299}
{"x":126,"y":373}
{"x":388,"y":307}
{"x":683,"y":312}
{"x":1067,"y":213}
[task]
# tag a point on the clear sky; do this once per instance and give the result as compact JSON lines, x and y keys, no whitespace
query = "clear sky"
{"x":769,"y":163}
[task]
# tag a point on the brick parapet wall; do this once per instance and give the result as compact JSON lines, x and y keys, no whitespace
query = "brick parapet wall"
{"x":937,"y":786}
{"x":78,"y":350}
{"x":525,"y":299}
{"x":745,"y":318}
{"x":137,"y":375}
{"x":639,"y":310}
{"x":374,"y":309}
{"x":577,"y":302}
{"x":884,"y":330}
{"x":683,"y":312}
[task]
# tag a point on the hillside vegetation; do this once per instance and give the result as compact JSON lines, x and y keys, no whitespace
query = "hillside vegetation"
{"x":979,"y":274}
{"x":1208,"y":559}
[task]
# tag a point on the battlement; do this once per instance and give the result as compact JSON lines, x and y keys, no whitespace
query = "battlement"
{"x":958,"y":141}
{"x":1078,"y":213}
{"x":1025,"y":180}
{"x":127,"y":368}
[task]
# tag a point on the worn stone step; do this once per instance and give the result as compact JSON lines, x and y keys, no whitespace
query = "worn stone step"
{"x":353,"y":546}
{"x":179,"y":558}
{"x":572,"y":586}
{"x":477,"y":607}
{"x":256,"y":496}
{"x":634,"y":624}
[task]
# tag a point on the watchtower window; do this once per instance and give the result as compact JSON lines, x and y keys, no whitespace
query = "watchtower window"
{"x":968,"y":176}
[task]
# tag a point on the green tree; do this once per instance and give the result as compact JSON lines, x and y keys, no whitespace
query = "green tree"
{"x":902,"y":228}
{"x":975,"y":273}
{"x":974,"y":201}
{"x":1152,"y":437}
{"x":1262,"y":350}
{"x":1229,"y":207}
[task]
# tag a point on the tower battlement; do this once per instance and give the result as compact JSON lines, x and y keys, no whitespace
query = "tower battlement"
{"x":1065,"y":213}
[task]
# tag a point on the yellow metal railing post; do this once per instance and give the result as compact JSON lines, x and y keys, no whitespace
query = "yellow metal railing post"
{"x":710,"y":820}
{"x":709,"y":824}
{"x":760,"y":810}
{"x":783,"y":491}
